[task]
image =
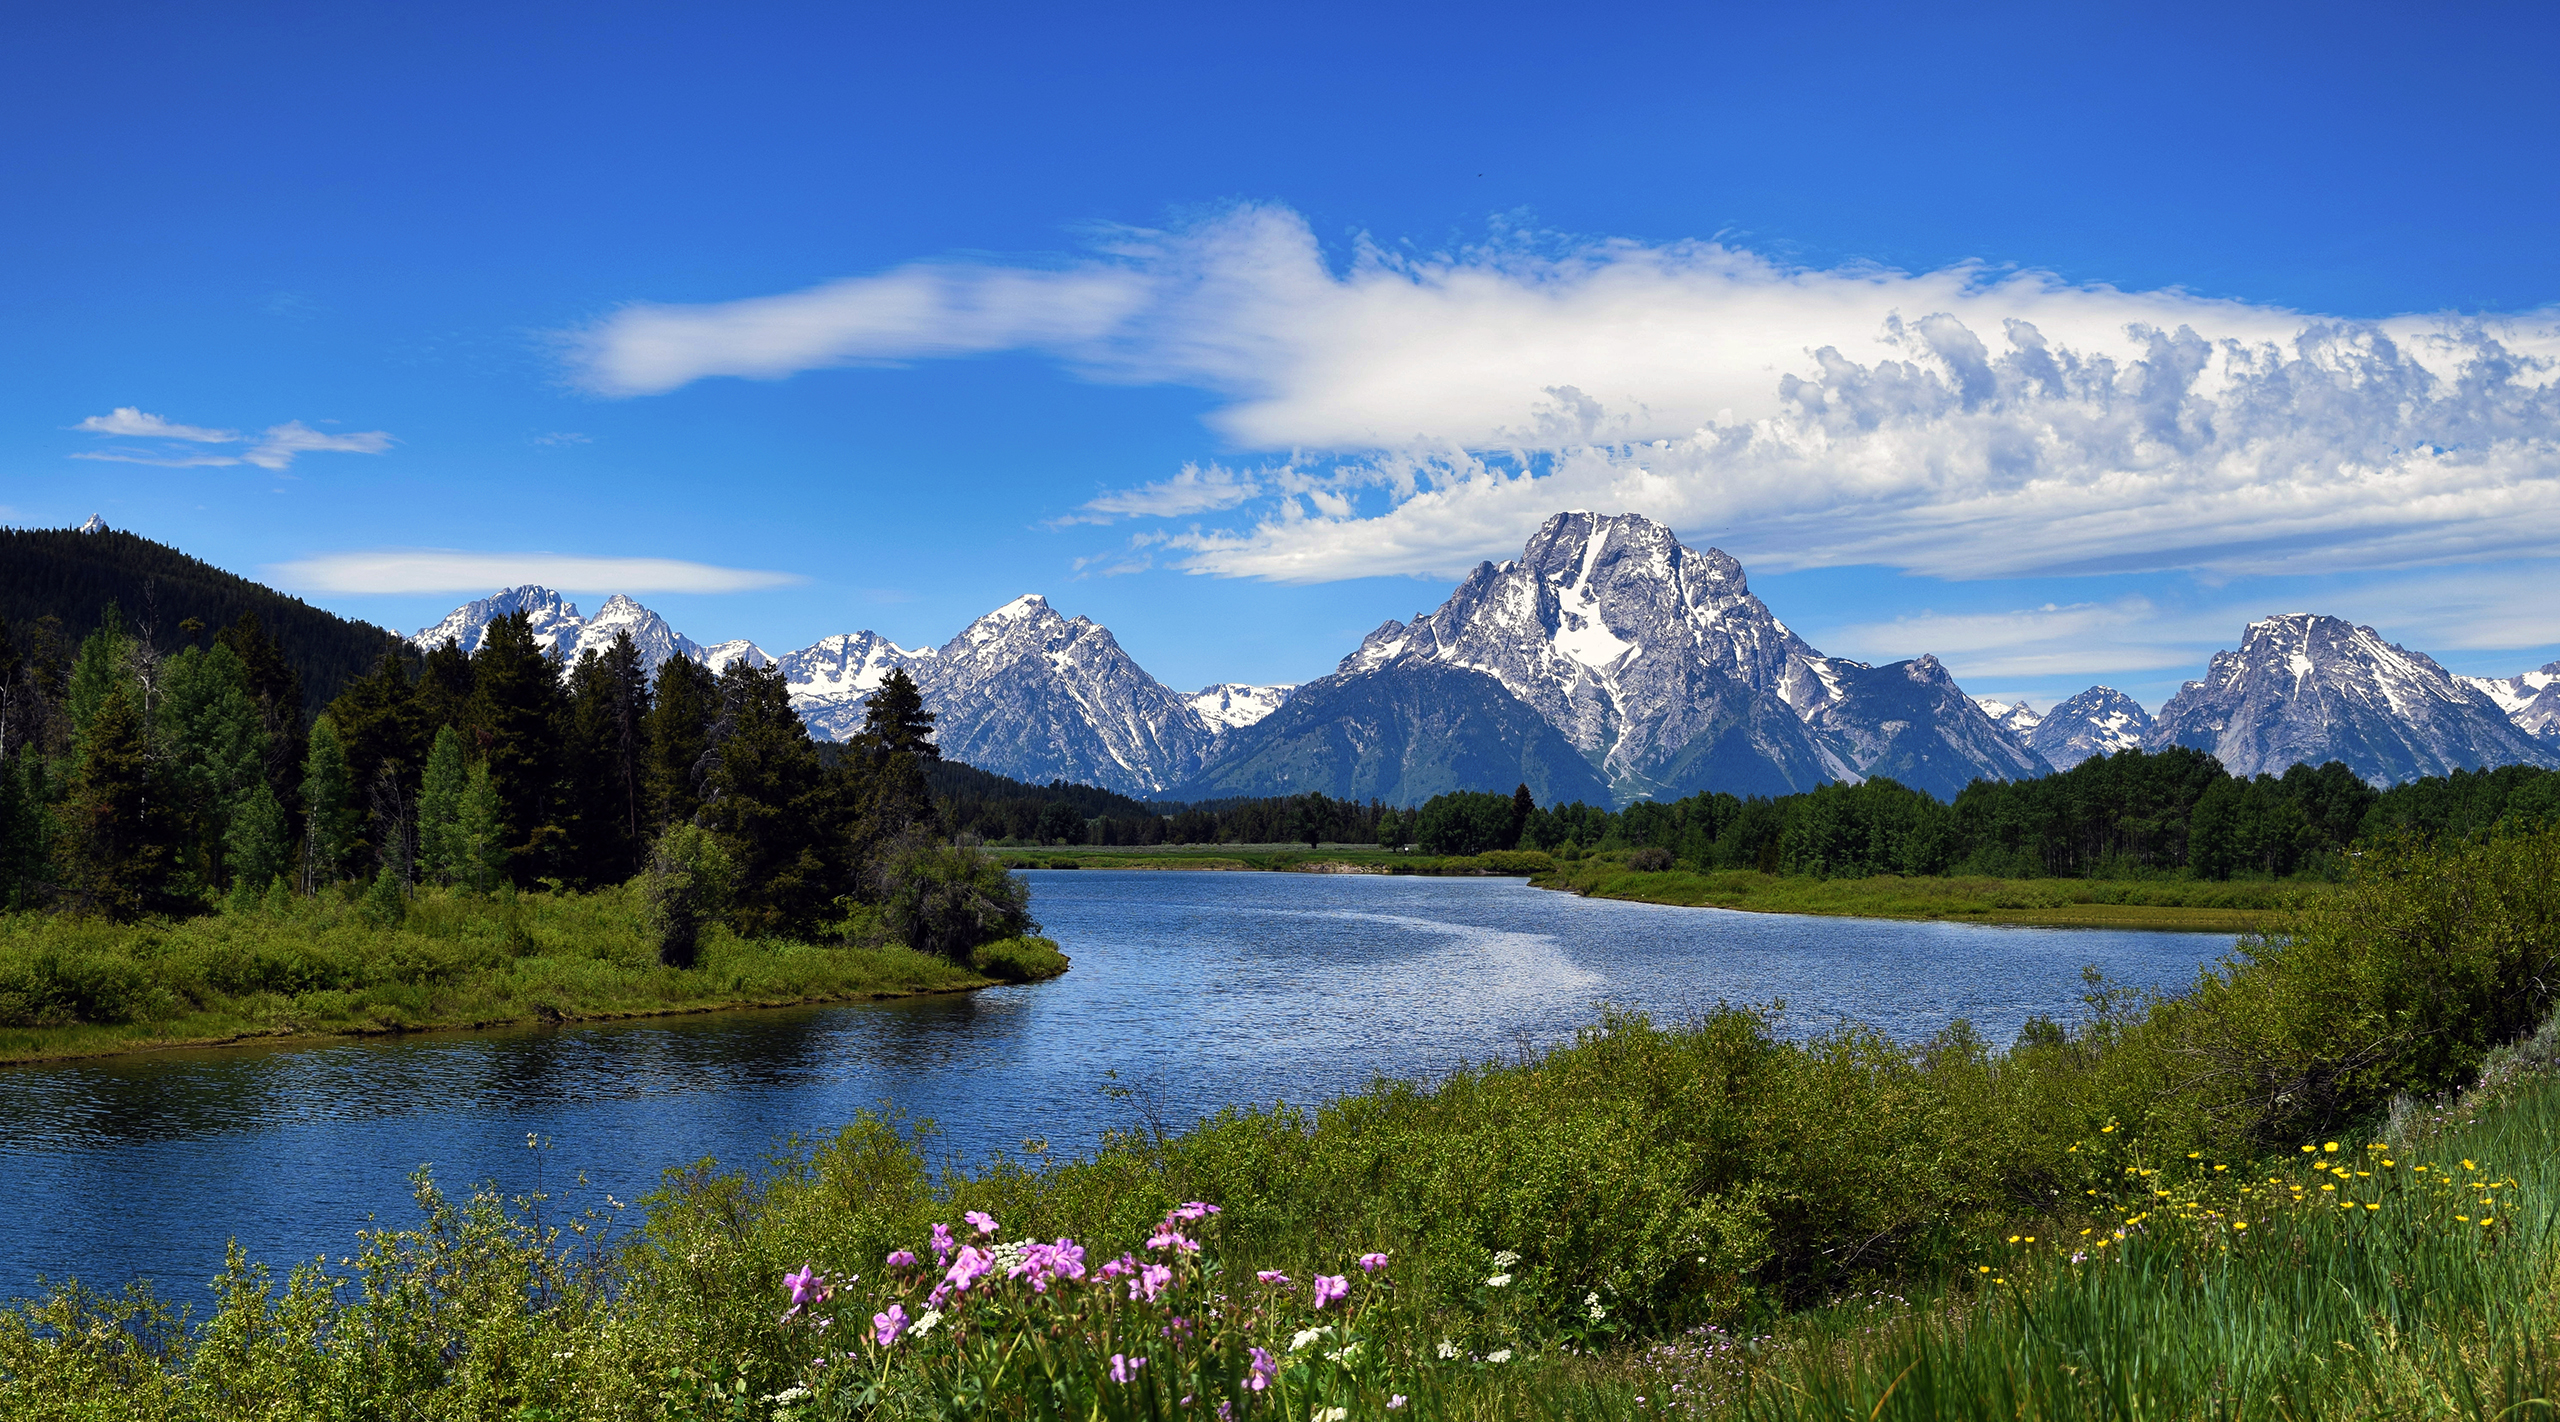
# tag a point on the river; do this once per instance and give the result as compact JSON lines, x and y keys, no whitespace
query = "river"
{"x":1191,"y":991}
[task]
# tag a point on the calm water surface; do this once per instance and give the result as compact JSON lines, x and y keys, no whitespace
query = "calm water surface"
{"x":1199,"y":990}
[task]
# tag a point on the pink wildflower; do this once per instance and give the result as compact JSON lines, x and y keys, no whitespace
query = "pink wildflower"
{"x":969,"y":1267}
{"x":1120,"y":1268}
{"x":808,"y":1288}
{"x":1260,"y":1374}
{"x":1150,"y":1281}
{"x":1192,"y":1211}
{"x":1330,"y":1287}
{"x":901,"y":1259}
{"x":1271,"y":1276}
{"x":887,"y":1326}
{"x":1172,"y":1239}
{"x":1372,"y":1263}
{"x":985,"y":1222}
{"x":941,"y":1241}
{"x":1396,"y":1403}
{"x":1123,"y":1369}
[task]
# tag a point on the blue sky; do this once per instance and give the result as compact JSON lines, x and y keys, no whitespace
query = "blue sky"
{"x":1241,"y":331}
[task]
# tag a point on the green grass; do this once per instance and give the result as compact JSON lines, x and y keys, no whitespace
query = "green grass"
{"x":322,"y":966}
{"x":2201,"y":905}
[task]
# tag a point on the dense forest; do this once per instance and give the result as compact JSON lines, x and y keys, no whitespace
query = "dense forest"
{"x":138,"y":778}
{"x":55,"y":585}
{"x":2137,"y":813}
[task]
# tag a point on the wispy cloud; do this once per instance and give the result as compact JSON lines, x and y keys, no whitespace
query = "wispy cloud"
{"x":274,"y":449}
{"x":562,"y":438}
{"x":1967,"y":422}
{"x":437,"y":570}
{"x":134,"y":424}
{"x":1195,"y":490}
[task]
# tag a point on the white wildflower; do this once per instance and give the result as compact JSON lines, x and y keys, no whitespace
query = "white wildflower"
{"x":1498,"y":1355}
{"x":924,"y":1323}
{"x":1505,"y":1259}
{"x":1306,"y":1336}
{"x":1328,"y":1414}
{"x":1591,"y":1306}
{"x":1446,"y":1349}
{"x":1500,"y":1281}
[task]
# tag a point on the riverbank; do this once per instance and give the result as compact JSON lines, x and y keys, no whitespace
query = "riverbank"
{"x":2151,"y":1200}
{"x":326,"y":967}
{"x":2201,"y":906}
{"x":1277,"y":859}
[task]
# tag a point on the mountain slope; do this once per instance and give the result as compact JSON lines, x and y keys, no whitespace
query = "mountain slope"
{"x":555,"y":619}
{"x":2099,"y":721}
{"x":1028,"y":693}
{"x":1667,"y":676}
{"x":73,"y":574}
{"x":2531,"y":701}
{"x":1401,"y":736}
{"x":2306,"y":688}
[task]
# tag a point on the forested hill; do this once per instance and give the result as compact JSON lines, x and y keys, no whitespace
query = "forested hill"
{"x":72,"y":576}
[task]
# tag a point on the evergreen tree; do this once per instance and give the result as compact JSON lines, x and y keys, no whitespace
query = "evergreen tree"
{"x":516,"y":710}
{"x":104,"y":663}
{"x":479,"y":842}
{"x":880,"y":781}
{"x":278,"y":689}
{"x":23,"y":840}
{"x":443,"y":694}
{"x":894,"y":721}
{"x":119,"y":840}
{"x":377,"y":720}
{"x":766,"y":800}
{"x":1523,"y":805}
{"x":440,"y":856}
{"x":608,"y":742}
{"x":681,"y":715}
{"x":329,"y":810}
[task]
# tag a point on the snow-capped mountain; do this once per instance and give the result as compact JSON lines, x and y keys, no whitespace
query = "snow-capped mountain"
{"x":649,"y":632}
{"x":719,"y":655}
{"x":1028,"y":693}
{"x":1233,"y":705}
{"x":2016,"y":717}
{"x":2306,"y":688}
{"x":2099,"y":721}
{"x":2530,"y":700}
{"x":831,"y":678}
{"x":556,"y":623}
{"x":1653,"y":662}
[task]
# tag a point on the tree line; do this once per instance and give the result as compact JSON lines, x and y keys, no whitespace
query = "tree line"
{"x":137,"y":779}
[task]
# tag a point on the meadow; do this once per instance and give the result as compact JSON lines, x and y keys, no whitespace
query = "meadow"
{"x":338,"y":964}
{"x":2319,"y":1183}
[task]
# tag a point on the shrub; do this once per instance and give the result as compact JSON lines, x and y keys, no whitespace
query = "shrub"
{"x":948,"y":899}
{"x":1651,"y":859}
{"x":689,"y":883}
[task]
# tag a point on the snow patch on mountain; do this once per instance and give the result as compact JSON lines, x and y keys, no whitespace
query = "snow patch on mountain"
{"x":2099,"y":721}
{"x":1233,"y":705}
{"x":2531,"y":700}
{"x":719,"y":655}
{"x":556,"y":623}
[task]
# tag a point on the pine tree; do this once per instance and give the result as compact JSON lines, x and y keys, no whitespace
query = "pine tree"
{"x":256,"y":844}
{"x":216,"y":744}
{"x":443,"y":693}
{"x":1523,"y":805}
{"x":681,"y":715}
{"x":516,"y":710}
{"x":119,"y":838}
{"x":328,"y":808}
{"x":278,"y":690}
{"x":104,"y":663}
{"x":479,"y":840}
{"x":766,"y":800}
{"x":440,"y":811}
{"x":608,"y":743}
{"x":894,"y":721}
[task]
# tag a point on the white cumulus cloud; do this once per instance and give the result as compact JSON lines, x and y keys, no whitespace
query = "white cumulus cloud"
{"x":1961,"y":423}
{"x":435,"y":570}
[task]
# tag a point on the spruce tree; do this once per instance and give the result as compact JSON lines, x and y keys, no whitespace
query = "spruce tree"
{"x":278,"y":690}
{"x":256,"y":844}
{"x":516,"y":710}
{"x":1523,"y":805}
{"x":766,"y":800}
{"x":443,"y":693}
{"x":607,"y":748}
{"x":681,"y":715}
{"x":328,"y":808}
{"x":216,"y":745}
{"x":104,"y":663}
{"x":440,"y":811}
{"x":119,"y":838}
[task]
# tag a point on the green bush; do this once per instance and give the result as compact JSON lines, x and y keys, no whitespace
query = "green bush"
{"x":948,"y":899}
{"x":1019,"y":960}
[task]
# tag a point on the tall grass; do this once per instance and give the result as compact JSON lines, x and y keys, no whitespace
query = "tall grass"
{"x":449,"y":958}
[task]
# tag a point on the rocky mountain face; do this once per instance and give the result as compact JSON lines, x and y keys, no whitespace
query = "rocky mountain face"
{"x":2099,"y":721}
{"x":831,"y":678}
{"x":556,"y":623}
{"x":2306,"y":688}
{"x":1655,"y":663}
{"x":2531,"y":700}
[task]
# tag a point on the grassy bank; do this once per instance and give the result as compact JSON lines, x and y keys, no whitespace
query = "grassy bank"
{"x":329,"y":966}
{"x":2236,"y":906}
{"x":1708,"y":1218}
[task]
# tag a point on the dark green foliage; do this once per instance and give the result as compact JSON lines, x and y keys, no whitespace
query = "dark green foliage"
{"x":1465,"y":822}
{"x":516,"y":712}
{"x":681,"y":715}
{"x":766,"y":798}
{"x":440,"y":858}
{"x":120,"y":837}
{"x":688,"y":885}
{"x":332,"y":825}
{"x":75,"y":576}
{"x":949,"y":899}
{"x":606,"y":763}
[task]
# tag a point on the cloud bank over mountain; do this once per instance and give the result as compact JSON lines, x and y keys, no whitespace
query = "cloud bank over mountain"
{"x":1427,"y":409}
